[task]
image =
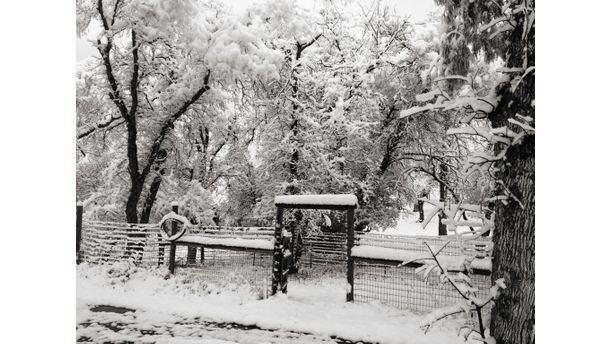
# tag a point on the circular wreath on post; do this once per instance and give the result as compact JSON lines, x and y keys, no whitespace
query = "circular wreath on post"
{"x":165,"y":226}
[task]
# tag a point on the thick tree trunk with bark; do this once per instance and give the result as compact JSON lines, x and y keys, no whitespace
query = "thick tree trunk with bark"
{"x":131,"y":207}
{"x":513,"y":316}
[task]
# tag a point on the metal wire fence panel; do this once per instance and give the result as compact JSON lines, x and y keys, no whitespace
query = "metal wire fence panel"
{"x":107,"y":242}
{"x":224,"y":267}
{"x":104,"y":242}
{"x":324,"y":249}
{"x":403,"y":288}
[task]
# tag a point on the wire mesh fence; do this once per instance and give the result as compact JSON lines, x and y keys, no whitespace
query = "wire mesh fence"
{"x":402,"y":287}
{"x":324,"y":249}
{"x":374,"y":279}
{"x":108,"y":242}
{"x":224,"y":266}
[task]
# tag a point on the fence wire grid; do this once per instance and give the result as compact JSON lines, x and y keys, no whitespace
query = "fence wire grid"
{"x":401,"y":287}
{"x":106,"y":242}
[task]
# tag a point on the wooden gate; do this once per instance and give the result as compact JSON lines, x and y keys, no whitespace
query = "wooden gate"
{"x":283,"y":257}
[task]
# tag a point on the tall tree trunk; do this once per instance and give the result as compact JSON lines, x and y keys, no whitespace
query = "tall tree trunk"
{"x":131,"y":208}
{"x":294,"y":126}
{"x":513,"y":316}
{"x":153,"y":189}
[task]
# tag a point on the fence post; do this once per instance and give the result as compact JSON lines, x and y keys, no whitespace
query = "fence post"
{"x":161,"y":251}
{"x":277,"y":256}
{"x":175,"y":209}
{"x":79,"y":228}
{"x":350,"y":241}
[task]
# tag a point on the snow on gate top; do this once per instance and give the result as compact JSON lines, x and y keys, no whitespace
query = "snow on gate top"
{"x":341,"y":200}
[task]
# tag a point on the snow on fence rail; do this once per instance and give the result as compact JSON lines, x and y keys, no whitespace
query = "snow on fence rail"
{"x":378,"y":277}
{"x":344,"y":200}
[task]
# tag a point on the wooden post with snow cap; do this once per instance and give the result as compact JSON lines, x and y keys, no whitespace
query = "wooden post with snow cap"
{"x":172,"y":258}
{"x":79,"y":228}
{"x":350,"y":241}
{"x":277,"y":256}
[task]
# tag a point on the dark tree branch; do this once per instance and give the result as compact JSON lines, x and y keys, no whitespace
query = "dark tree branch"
{"x":114,"y":95}
{"x":169,"y":123}
{"x":115,"y":11}
{"x":87,"y":129}
{"x":134,"y":81}
{"x":301,"y":46}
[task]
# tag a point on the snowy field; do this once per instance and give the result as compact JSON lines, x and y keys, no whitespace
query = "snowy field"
{"x":185,"y":309}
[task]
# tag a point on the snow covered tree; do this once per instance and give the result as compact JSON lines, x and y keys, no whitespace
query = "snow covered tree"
{"x":335,"y":109}
{"x":165,"y":62}
{"x":503,"y":30}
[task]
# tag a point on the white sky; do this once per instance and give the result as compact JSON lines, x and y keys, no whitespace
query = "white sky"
{"x":416,"y":9}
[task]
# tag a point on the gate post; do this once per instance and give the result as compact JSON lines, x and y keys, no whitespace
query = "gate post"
{"x":79,"y":228}
{"x":350,"y":241}
{"x":175,"y":209}
{"x":277,"y":256}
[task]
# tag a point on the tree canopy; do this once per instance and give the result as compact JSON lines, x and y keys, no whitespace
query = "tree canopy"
{"x":276,"y":100}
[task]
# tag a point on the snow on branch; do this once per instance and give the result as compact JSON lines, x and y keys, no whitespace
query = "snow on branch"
{"x":470,"y":303}
{"x":481,"y":105}
{"x":507,"y":27}
{"x":438,"y":314}
{"x":90,"y":128}
{"x":516,"y":81}
{"x":452,"y":77}
{"x":492,"y":135}
{"x":461,"y":215}
{"x":425,"y":97}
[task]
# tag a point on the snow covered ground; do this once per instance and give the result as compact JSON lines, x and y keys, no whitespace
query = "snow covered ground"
{"x":179,"y":309}
{"x":407,"y":224}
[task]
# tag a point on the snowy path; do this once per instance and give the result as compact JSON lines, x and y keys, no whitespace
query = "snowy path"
{"x":122,"y":325}
{"x":176,"y":306}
